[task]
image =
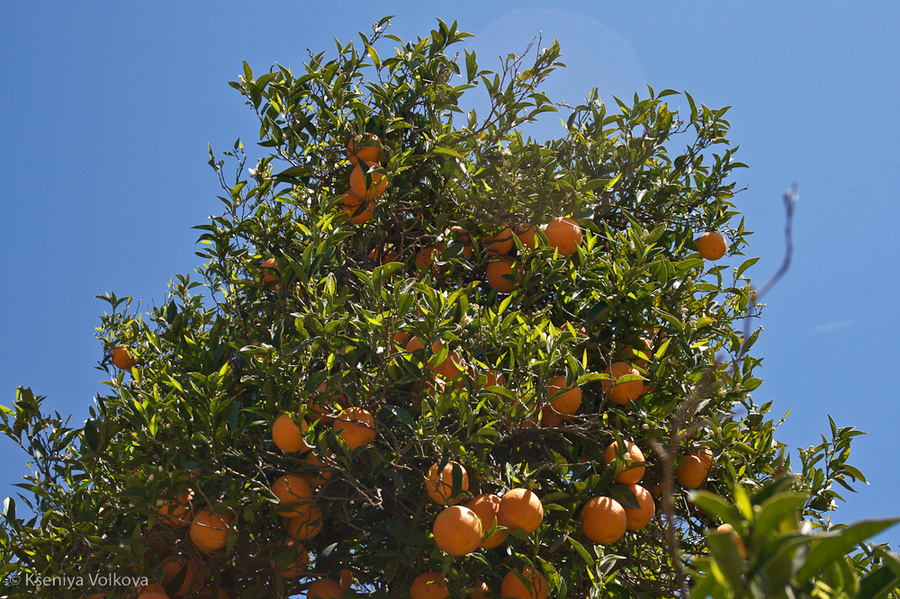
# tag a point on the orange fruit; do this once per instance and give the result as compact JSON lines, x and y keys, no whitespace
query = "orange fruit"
{"x":449,"y":368}
{"x":527,"y":584}
{"x":324,"y":588}
{"x":738,"y":541}
{"x":346,"y":578}
{"x":603,"y":520}
{"x":428,"y":585}
{"x":401,"y":338}
{"x":425,"y":258}
{"x":630,"y":354}
{"x":564,"y":398}
{"x":493,"y":379}
{"x":564,"y":234}
{"x":712,"y":245}
{"x":356,"y":427}
{"x":501,"y":244}
{"x":289,"y":437}
{"x":323,"y":472}
{"x":527,"y":234}
{"x":270,"y":279}
{"x":122,"y":357}
{"x":622,"y":393}
{"x":498,"y":270}
{"x":184,"y":569}
{"x":480,"y":589}
{"x":294,"y":495}
{"x":376,"y":187}
{"x":521,"y":509}
{"x":356,"y":214}
{"x":291,"y":559}
{"x":457,"y":530}
{"x":366,"y":147}
{"x":209,"y":531}
{"x":695,"y":468}
{"x":638,"y":518}
{"x":487,"y":507}
{"x":440,"y":489}
{"x":176,"y":511}
{"x":322,"y":403}
{"x":383,"y":255}
{"x":626,"y":474}
{"x":461,"y":236}
{"x":305,"y":526}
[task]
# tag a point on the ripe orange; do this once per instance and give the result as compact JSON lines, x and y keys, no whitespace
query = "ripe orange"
{"x":493,"y":378}
{"x":425,"y":258}
{"x":603,"y":520}
{"x":358,"y":186}
{"x":324,"y":588}
{"x":630,"y":354}
{"x":209,"y":531}
{"x":323,"y":471}
{"x":356,"y":214}
{"x":564,"y":234}
{"x":498,"y":270}
{"x":346,"y":578}
{"x":565,"y":399}
{"x":626,"y":474}
{"x":638,"y":518}
{"x":712,"y":245}
{"x":457,"y":530}
{"x":176,"y":511}
{"x":441,"y":489}
{"x":401,"y":338}
{"x":522,"y":509}
{"x":449,"y":368}
{"x":428,"y":585}
{"x":695,"y":468}
{"x":488,"y":509}
{"x":480,"y":589}
{"x":122,"y":358}
{"x":365,"y":147}
{"x":738,"y":541}
{"x":289,"y":437}
{"x":383,"y":255}
{"x":622,"y":393}
{"x":527,"y":234}
{"x":270,"y":279}
{"x":305,"y":526}
{"x":184,"y":569}
{"x":500,"y":244}
{"x":290,"y":559}
{"x":527,"y":584}
{"x":294,"y":495}
{"x":461,"y":236}
{"x":322,"y":403}
{"x":356,"y":427}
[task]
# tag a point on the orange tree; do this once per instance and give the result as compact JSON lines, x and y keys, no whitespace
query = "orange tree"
{"x":417,"y":329}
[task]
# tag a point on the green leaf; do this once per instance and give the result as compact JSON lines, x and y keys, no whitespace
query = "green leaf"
{"x":837,"y":545}
{"x":714,"y":505}
{"x":727,"y":557}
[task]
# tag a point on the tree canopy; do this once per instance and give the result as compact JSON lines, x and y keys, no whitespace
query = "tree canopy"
{"x":409,"y":313}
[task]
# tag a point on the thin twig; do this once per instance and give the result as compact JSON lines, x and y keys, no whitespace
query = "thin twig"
{"x":791,"y":196}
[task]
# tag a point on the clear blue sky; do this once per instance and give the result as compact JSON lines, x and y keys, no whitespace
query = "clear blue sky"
{"x":107,"y":109}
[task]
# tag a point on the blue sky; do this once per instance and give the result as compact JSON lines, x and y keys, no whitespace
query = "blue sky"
{"x":107,"y":109}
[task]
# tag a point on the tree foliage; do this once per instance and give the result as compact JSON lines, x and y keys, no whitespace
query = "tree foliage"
{"x":298,"y":311}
